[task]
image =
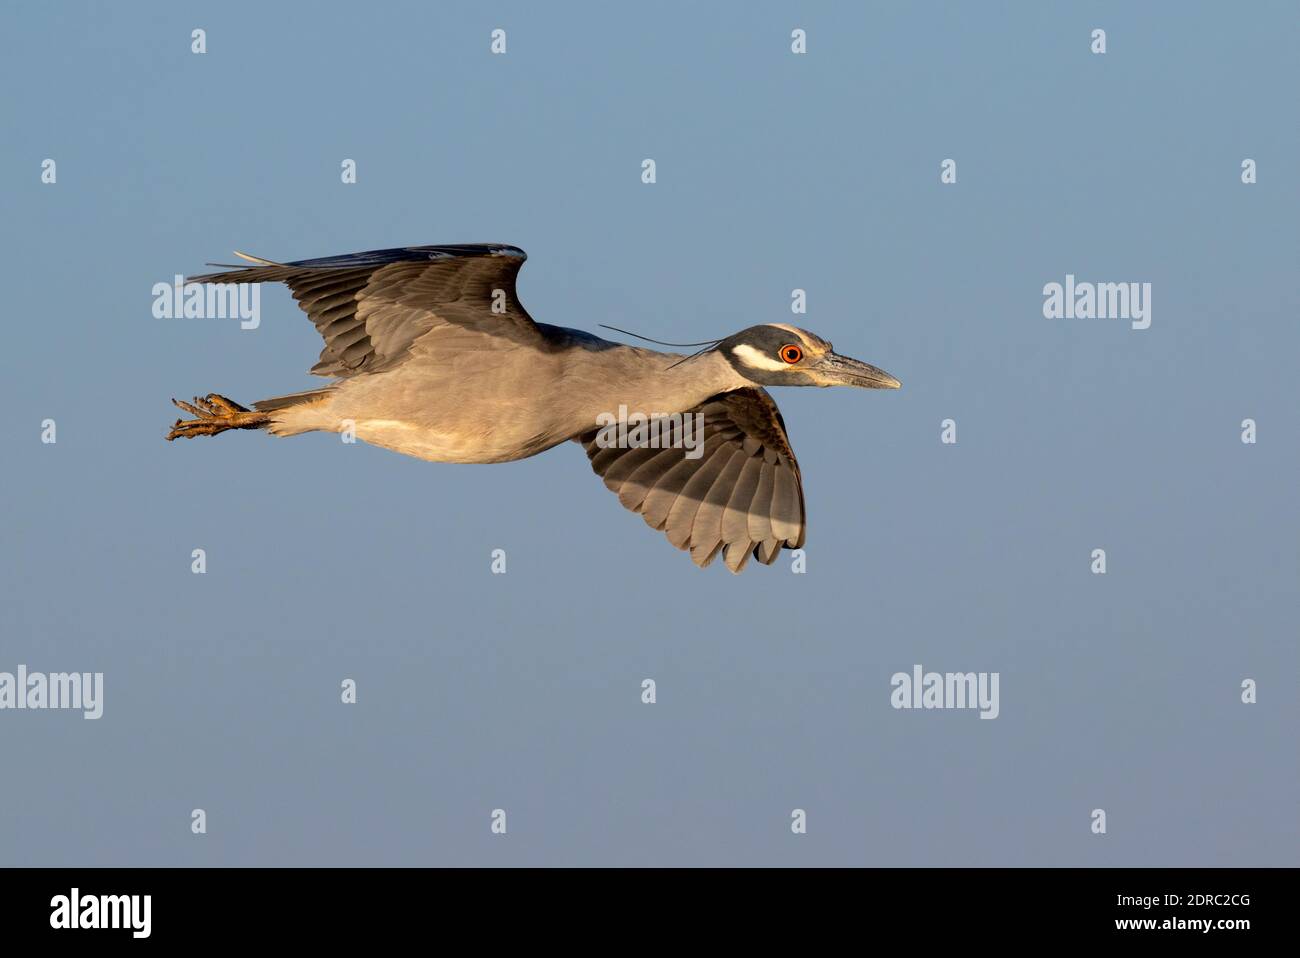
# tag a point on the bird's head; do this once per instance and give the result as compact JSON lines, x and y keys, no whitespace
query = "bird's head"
{"x":779,"y":355}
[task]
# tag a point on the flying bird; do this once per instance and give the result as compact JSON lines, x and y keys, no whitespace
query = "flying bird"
{"x":435,"y":357}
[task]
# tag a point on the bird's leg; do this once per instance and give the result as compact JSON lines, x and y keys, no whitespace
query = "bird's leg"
{"x":215,"y":414}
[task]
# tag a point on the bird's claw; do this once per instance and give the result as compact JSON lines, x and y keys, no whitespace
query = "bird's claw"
{"x":213,"y":414}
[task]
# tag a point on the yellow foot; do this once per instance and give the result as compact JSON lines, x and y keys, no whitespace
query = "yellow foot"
{"x":214,"y":414}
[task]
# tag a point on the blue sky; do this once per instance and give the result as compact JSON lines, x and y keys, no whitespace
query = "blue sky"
{"x":775,"y":171}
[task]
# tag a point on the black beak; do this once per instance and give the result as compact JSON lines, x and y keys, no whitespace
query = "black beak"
{"x":836,"y":370}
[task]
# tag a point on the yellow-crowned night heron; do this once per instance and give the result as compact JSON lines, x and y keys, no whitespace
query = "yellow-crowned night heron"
{"x":435,"y":357}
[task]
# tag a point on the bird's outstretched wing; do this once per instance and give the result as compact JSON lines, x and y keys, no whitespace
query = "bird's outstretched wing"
{"x":370,"y":307}
{"x":743,"y":496}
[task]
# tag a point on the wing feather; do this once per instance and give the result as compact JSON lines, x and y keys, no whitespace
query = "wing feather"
{"x":370,"y":308}
{"x":742,"y":497}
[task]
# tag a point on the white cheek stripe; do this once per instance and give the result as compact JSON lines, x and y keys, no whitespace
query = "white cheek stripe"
{"x":754,"y":359}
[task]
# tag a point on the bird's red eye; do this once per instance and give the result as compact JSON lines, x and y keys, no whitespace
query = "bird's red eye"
{"x":791,"y":353}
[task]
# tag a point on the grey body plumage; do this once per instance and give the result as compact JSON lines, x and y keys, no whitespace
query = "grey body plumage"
{"x":435,"y":357}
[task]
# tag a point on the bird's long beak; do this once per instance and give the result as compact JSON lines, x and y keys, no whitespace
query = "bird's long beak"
{"x":838,"y":370}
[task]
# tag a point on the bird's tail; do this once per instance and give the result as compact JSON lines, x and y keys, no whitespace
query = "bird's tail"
{"x":292,"y":399}
{"x":215,"y":414}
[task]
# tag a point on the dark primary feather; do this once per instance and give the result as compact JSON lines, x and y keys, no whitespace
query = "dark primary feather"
{"x":370,"y":307}
{"x":742,"y":497}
